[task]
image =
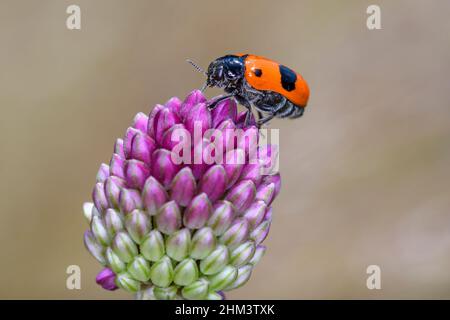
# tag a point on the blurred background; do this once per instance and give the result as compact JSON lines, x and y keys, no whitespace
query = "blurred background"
{"x":365,"y":171}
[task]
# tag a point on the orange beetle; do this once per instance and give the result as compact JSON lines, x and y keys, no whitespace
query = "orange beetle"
{"x":272,"y":88}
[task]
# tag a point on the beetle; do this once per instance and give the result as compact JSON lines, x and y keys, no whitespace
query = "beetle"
{"x":273,"y":89}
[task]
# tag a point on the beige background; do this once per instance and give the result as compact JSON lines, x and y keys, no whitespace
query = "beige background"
{"x":365,"y":171}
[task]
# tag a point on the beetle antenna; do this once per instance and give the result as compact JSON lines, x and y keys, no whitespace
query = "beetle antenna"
{"x":203,"y":88}
{"x":196,"y":67}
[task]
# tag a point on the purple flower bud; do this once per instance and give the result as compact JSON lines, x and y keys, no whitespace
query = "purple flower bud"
{"x":103,"y":173}
{"x":183,"y":187}
{"x":128,"y":140}
{"x":198,"y":156}
{"x":129,"y":199}
{"x":136,"y":172}
{"x":164,"y":120}
{"x":213,"y":182}
{"x":203,"y":242}
{"x":168,"y":219}
{"x":194,"y":98}
{"x":260,"y":233}
{"x":174,"y":104}
{"x":106,"y":278}
{"x":227,"y":129}
{"x":266,"y":193}
{"x":151,"y":120}
{"x":198,"y":116}
{"x":153,"y":196}
{"x":138,"y":225}
{"x":113,"y":185}
{"x":224,"y":110}
{"x":241,"y":195}
{"x":222,"y":217}
{"x":116,"y":166}
{"x":269,"y":214}
{"x":236,"y":234}
{"x":240,"y":119}
{"x":252,"y":172}
{"x":197,"y":212}
{"x":248,"y":141}
{"x":118,"y":148}
{"x":276,"y":179}
{"x":99,"y":197}
{"x":140,"y":122}
{"x":163,"y":168}
{"x":142,"y":147}
{"x":255,"y":214}
{"x":234,"y":162}
{"x":268,"y":158}
{"x":168,"y":140}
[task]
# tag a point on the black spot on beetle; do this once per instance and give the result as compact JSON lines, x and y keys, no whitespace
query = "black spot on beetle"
{"x":288,"y":78}
{"x":257,"y":72}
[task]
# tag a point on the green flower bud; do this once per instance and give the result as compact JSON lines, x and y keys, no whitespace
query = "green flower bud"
{"x":185,"y":272}
{"x":146,"y":293}
{"x":126,"y":282}
{"x":124,"y":246}
{"x":114,"y":261}
{"x":168,"y":293}
{"x":138,"y":225}
{"x":215,"y":261}
{"x":152,"y":247}
{"x":244,"y":274}
{"x":236,"y":234}
{"x":99,"y":230}
{"x":242,"y":254}
{"x":203,"y":243}
{"x":87,"y":211}
{"x":113,"y":221}
{"x":139,"y":269}
{"x":161,"y":273}
{"x":214,"y":296}
{"x":223,"y":279}
{"x":178,"y":243}
{"x":259,"y":253}
{"x":260,"y":233}
{"x":197,"y":290}
{"x":95,"y":248}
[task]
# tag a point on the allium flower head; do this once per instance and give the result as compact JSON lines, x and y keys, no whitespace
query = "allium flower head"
{"x":169,"y":229}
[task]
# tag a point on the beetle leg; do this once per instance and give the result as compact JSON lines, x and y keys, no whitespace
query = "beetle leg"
{"x":280,"y":105}
{"x":213,"y":104}
{"x":247,"y":105}
{"x":264,"y":120}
